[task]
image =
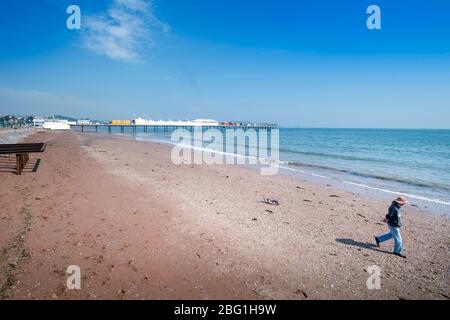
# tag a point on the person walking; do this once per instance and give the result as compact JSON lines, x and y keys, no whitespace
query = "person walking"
{"x":394,"y":221}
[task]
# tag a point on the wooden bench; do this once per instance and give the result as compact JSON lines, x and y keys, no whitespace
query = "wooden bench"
{"x":22,"y":151}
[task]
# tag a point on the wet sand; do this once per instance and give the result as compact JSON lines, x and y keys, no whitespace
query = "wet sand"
{"x":141,"y":227}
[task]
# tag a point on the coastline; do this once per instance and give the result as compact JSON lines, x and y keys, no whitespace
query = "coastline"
{"x":141,"y":227}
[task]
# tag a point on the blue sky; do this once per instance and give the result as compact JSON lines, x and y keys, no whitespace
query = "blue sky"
{"x":297,"y":63}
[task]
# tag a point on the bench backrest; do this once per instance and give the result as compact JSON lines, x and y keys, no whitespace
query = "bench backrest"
{"x":19,"y":148}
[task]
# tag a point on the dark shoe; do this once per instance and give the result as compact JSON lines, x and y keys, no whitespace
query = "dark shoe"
{"x":400,"y":255}
{"x":377,"y":241}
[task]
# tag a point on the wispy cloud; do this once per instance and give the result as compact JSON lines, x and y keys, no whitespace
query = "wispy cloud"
{"x":124,"y":31}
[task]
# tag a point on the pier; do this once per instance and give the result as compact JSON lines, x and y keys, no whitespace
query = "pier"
{"x":162,"y":128}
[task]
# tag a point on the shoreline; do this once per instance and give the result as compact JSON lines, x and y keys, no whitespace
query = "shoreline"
{"x":324,"y":179}
{"x":141,"y":227}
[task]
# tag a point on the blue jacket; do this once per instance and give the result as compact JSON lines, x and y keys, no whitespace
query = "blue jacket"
{"x":393,"y":217}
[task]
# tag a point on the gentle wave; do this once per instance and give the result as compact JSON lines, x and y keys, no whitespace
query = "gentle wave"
{"x":382,"y":161}
{"x":268,"y":161}
{"x":368,"y":175}
{"x":414,"y":196}
{"x":332,"y":156}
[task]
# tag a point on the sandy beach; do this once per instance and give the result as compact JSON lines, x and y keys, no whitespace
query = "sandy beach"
{"x":141,"y":227}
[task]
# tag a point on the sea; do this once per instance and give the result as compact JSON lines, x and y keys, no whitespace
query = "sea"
{"x":383,"y":163}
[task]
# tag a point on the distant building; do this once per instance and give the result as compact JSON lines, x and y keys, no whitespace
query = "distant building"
{"x":56,"y":124}
{"x":206,"y":123}
{"x":38,"y":122}
{"x":141,"y":122}
{"x":171,"y":123}
{"x":84,"y":122}
{"x":120,"y":122}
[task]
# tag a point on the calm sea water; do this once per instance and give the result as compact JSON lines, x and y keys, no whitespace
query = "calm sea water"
{"x":415,"y":163}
